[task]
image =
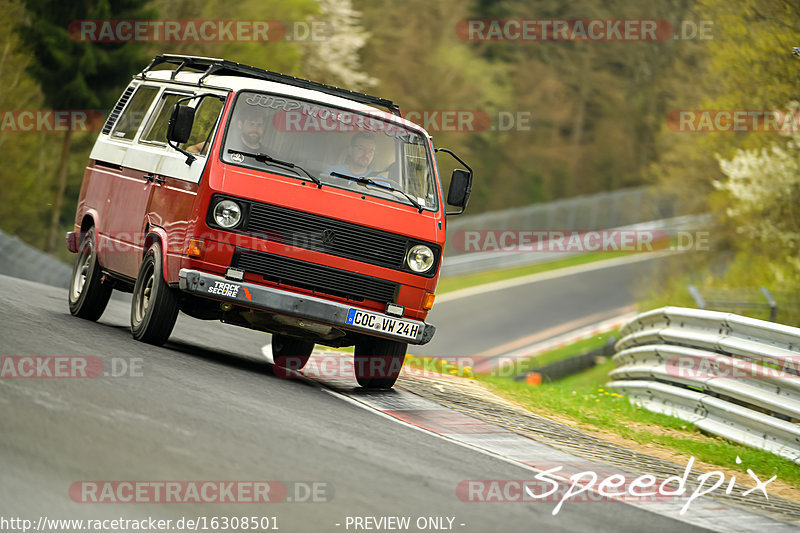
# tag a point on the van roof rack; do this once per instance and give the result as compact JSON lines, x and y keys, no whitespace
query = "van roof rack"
{"x":222,"y":67}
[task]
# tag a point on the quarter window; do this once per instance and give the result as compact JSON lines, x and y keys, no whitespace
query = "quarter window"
{"x":132,"y":117}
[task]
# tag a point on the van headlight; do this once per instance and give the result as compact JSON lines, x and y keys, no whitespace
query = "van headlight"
{"x":227,"y":213}
{"x":420,"y":258}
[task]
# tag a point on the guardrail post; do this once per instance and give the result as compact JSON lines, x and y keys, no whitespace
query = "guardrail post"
{"x":773,"y":306}
{"x":698,"y":299}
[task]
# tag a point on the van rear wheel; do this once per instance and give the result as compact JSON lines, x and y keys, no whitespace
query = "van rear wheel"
{"x":88,"y":296}
{"x":154,"y":308}
{"x":290,"y":353}
{"x":378,"y":362}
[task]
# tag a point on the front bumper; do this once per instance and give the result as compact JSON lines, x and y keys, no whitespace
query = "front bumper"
{"x":287,"y":303}
{"x":73,"y":241}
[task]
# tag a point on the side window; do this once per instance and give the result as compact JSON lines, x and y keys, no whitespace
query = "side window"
{"x":156,"y":131}
{"x":132,"y":117}
{"x":205,"y":118}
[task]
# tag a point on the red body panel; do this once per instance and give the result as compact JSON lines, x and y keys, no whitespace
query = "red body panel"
{"x":125,"y":207}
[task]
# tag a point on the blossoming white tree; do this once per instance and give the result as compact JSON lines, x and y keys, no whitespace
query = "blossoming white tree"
{"x":334,"y":58}
{"x":764,"y":192}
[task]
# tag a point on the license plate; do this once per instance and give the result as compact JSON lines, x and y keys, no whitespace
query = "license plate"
{"x":384,"y":324}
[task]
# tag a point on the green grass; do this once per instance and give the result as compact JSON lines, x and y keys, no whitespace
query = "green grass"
{"x":584,"y":399}
{"x":454,"y":283}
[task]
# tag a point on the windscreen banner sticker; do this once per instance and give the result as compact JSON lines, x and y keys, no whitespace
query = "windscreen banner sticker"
{"x":221,"y":288}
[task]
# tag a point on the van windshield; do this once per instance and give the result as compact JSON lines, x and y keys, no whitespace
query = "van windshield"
{"x":326,"y":141}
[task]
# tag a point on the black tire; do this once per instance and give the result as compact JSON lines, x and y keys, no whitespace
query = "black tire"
{"x":378,"y":362}
{"x":154,"y":307}
{"x":289,"y":353}
{"x":87,"y":296}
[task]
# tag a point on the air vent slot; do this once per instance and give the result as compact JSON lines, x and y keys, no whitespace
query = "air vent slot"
{"x":115,"y":113}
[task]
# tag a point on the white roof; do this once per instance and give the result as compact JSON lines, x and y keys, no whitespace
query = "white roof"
{"x":239,"y":83}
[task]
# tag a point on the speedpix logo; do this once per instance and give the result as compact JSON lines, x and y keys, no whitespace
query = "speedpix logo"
{"x":557,"y":485}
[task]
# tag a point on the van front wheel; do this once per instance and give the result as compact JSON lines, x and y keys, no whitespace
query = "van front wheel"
{"x":377,"y":362}
{"x":289,"y":353}
{"x":154,"y":308}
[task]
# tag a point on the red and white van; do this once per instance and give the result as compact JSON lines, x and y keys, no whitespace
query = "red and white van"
{"x":284,"y":205}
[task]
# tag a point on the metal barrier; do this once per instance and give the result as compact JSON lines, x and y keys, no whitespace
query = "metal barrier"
{"x":23,"y":261}
{"x":640,"y":208}
{"x":571,"y":365}
{"x":729,"y":375}
{"x":735,"y":300}
{"x":469,"y":263}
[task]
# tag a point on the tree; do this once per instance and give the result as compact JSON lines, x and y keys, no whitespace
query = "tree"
{"x":763,"y":188}
{"x":335,"y":60}
{"x":76,"y":75}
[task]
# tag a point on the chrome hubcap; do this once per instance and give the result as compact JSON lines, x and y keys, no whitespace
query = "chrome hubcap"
{"x":81,"y":271}
{"x":143,"y":298}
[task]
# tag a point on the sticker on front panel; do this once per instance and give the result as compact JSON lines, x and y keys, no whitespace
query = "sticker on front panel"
{"x":383,"y":324}
{"x":221,"y":288}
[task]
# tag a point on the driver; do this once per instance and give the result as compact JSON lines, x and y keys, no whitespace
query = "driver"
{"x":248,"y":133}
{"x":359,"y":156}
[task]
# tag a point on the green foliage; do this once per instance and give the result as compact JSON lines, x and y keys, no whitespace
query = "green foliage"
{"x":747,"y":66}
{"x":74,"y":74}
{"x":280,"y":56}
{"x":598,"y":109}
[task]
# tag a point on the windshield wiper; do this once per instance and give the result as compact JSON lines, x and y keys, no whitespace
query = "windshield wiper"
{"x":369,"y":181}
{"x":264,"y":158}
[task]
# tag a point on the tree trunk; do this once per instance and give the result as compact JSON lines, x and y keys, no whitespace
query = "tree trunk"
{"x":60,"y":188}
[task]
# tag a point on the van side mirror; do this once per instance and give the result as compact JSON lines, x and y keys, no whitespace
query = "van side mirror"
{"x":460,"y":185}
{"x":180,"y":124}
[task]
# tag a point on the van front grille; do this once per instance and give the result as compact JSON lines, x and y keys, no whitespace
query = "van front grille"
{"x":317,"y":278}
{"x":328,"y":235}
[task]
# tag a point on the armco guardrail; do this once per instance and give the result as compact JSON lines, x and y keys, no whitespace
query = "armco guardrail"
{"x":733,"y":376}
{"x":23,"y":261}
